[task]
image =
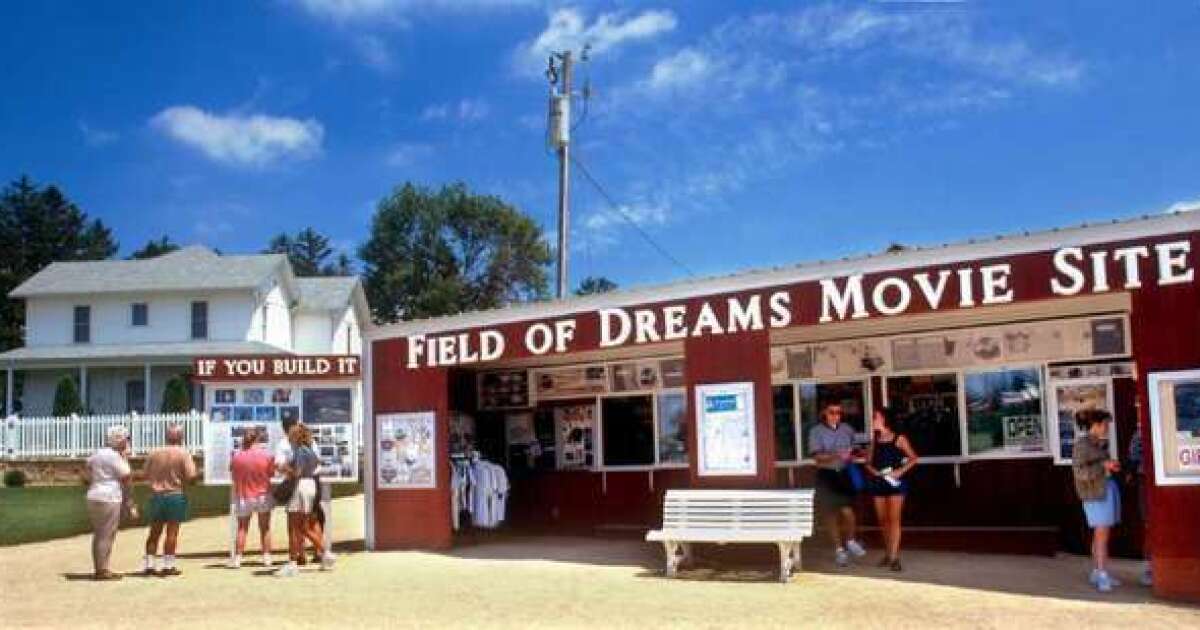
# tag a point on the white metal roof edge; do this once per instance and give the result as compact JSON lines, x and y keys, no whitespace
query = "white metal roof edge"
{"x":973,"y":249}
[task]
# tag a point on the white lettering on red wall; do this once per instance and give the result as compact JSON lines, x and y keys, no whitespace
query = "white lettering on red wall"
{"x":1072,"y":272}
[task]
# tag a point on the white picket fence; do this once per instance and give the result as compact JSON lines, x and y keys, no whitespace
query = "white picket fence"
{"x":76,"y":437}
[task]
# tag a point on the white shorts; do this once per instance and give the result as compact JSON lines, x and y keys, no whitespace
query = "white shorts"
{"x":255,"y":505}
{"x":304,"y":497}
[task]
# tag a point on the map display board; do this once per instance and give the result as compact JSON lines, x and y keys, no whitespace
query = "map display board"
{"x":406,"y":450}
{"x":725,"y":428}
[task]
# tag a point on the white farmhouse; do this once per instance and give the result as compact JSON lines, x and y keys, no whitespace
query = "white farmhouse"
{"x":122,"y":328}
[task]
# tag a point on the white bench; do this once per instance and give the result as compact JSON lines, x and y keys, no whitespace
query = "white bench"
{"x":783,"y":517}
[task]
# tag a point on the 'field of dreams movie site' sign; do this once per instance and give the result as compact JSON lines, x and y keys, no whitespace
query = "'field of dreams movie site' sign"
{"x":1071,"y":271}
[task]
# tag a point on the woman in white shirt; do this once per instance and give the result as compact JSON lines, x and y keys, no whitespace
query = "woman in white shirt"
{"x":107,"y":474}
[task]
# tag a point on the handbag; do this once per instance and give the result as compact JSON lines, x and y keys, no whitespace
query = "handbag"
{"x":284,"y":491}
{"x":853,"y":479}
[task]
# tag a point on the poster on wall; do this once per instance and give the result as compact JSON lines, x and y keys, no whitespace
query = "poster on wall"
{"x":725,"y":429}
{"x":1070,"y":397}
{"x":222,"y":440}
{"x":1175,"y":427}
{"x":407,"y":453}
{"x":573,"y":436}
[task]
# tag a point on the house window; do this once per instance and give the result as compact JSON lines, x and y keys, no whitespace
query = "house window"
{"x":627,"y":430}
{"x":199,"y":320}
{"x":135,"y":396}
{"x":83,"y":324}
{"x":139,"y":314}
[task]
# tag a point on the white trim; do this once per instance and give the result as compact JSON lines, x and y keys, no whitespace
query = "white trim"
{"x":1161,"y":477}
{"x":368,"y":427}
{"x":999,"y":247}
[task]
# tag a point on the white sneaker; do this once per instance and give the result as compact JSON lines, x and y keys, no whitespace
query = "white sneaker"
{"x":327,"y":561}
{"x":234,"y":562}
{"x":855,"y":548}
{"x":840,"y":557}
{"x":1104,"y":584}
{"x":267,"y":560}
{"x":288,"y":570}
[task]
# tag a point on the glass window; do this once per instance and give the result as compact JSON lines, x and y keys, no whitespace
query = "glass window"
{"x":785,"y":423}
{"x":139,"y":314}
{"x":1004,"y":412}
{"x":627,"y":430}
{"x":199,"y":320}
{"x":83,"y":324}
{"x":851,"y":395}
{"x":927,"y":407}
{"x":672,"y":428}
{"x":135,"y":396}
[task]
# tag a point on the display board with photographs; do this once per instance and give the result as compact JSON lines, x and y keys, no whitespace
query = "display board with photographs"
{"x":725,"y":430}
{"x":828,"y":360}
{"x":574,"y":427}
{"x":1175,"y":427}
{"x":1070,"y":397}
{"x":1004,"y":412}
{"x":407,"y":450}
{"x":504,"y":389}
{"x":329,"y":412}
{"x":570,"y":382}
{"x":670,"y":372}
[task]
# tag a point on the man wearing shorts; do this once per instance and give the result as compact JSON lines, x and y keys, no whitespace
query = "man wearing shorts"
{"x":168,"y":468}
{"x":831,"y":444}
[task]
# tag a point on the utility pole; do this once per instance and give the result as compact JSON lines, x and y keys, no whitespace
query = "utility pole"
{"x":560,"y":71}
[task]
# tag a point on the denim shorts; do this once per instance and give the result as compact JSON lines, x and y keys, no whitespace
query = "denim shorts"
{"x":1104,"y":512}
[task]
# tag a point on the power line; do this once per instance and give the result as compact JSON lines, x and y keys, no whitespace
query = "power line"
{"x":629,"y":219}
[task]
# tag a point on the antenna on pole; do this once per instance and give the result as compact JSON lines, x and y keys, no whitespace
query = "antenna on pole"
{"x":560,"y":72}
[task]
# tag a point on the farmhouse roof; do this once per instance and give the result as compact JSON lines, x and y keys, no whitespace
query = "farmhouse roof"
{"x":189,"y":269}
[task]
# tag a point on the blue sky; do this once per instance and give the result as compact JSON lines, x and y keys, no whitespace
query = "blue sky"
{"x":737,"y":134}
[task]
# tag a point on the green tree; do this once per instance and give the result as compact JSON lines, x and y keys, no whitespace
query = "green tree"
{"x":40,"y":225}
{"x":176,"y":398}
{"x":309,"y":252}
{"x":155,"y":248}
{"x":66,"y":398}
{"x":592,"y":285}
{"x":439,"y":253}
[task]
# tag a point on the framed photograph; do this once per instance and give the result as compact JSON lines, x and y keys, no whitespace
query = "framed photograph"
{"x":265,"y":413}
{"x":1175,"y":427}
{"x":253,"y":396}
{"x":326,"y":406}
{"x":281,"y":395}
{"x":225,"y":396}
{"x":243,"y":414}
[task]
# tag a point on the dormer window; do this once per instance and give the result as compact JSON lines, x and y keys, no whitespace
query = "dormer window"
{"x":139,"y":314}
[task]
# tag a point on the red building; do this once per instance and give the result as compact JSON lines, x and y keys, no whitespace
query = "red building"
{"x":985,"y":349}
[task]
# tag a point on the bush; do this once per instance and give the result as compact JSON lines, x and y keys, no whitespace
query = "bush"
{"x":176,"y":398}
{"x":66,"y":398}
{"x":14,"y":478}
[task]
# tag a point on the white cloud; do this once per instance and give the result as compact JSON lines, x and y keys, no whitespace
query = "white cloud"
{"x":363,"y":10}
{"x":255,"y":140}
{"x":97,"y":137}
{"x":568,"y":29}
{"x":375,"y":52}
{"x":684,"y":68}
{"x":1190,"y":205}
{"x":465,"y":110}
{"x":409,"y":154}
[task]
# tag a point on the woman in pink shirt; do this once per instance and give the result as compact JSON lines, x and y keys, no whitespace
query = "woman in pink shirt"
{"x":252,"y":468}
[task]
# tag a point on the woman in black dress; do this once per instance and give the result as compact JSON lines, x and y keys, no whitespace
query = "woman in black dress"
{"x":889,"y":459}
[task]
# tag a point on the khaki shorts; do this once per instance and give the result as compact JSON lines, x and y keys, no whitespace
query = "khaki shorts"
{"x":262,"y":504}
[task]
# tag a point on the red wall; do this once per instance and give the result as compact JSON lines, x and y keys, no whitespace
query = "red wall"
{"x":418,"y":518}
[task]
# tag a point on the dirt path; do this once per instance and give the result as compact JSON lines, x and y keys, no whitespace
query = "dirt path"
{"x":555,"y":582}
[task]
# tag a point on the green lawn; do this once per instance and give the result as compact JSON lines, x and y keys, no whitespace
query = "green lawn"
{"x":47,"y":512}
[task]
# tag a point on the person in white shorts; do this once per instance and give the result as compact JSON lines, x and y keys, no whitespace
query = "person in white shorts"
{"x":301,"y":523}
{"x":252,"y":469}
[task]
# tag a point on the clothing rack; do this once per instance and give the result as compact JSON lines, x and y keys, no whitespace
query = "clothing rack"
{"x":478,"y":489}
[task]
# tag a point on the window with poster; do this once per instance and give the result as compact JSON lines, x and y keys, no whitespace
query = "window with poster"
{"x":927,"y":407}
{"x":1004,"y":412}
{"x":1175,"y":427}
{"x":1070,"y":392}
{"x":854,"y":397}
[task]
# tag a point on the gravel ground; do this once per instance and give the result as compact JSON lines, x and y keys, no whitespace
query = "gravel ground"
{"x":556,"y":582}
